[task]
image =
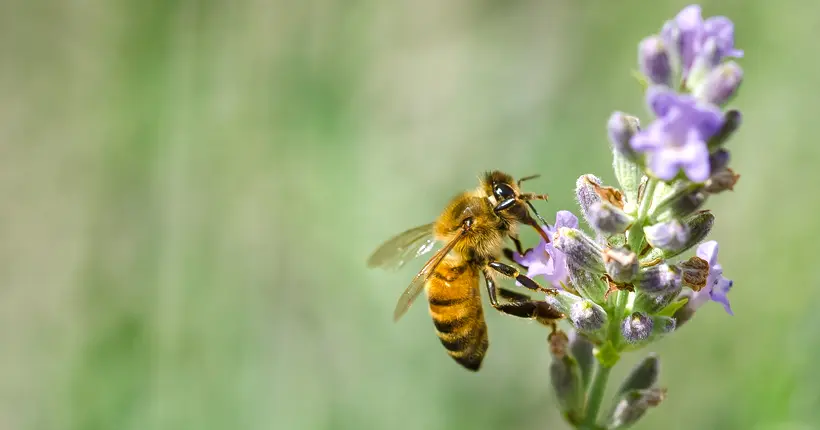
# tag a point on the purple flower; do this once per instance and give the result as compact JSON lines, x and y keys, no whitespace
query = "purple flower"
{"x":717,"y":287}
{"x":690,"y":34}
{"x":544,"y":260}
{"x":677,"y":138}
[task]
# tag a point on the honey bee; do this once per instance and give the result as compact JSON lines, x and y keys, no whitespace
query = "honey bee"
{"x":473,"y":228}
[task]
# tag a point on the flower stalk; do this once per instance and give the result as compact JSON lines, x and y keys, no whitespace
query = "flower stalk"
{"x":631,"y":283}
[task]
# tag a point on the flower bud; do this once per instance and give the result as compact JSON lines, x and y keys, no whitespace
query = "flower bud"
{"x":643,"y":375}
{"x":654,"y":303}
{"x":605,"y":218}
{"x":721,"y":181}
{"x":620,"y":129}
{"x":580,"y":249}
{"x":621,"y":264}
{"x":637,"y":327}
{"x":662,"y":325}
{"x":562,"y":300}
{"x":708,"y":58}
{"x":633,"y":405}
{"x":581,"y":350}
{"x":586,"y":284}
{"x":731,"y":122}
{"x":657,"y":279}
{"x":586,"y":316}
{"x":558,"y":342}
{"x":566,"y":379}
{"x":721,"y":84}
{"x":585,"y":193}
{"x":685,"y":312}
{"x":668,"y":236}
{"x":718,"y":160}
{"x":683,"y":200}
{"x":699,"y":226}
{"x":653,"y":59}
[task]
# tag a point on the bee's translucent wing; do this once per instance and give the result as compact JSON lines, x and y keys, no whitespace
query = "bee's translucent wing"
{"x":403,"y":247}
{"x":417,"y":284}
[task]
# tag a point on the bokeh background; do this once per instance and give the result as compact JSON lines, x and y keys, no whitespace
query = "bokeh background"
{"x":189,"y":190}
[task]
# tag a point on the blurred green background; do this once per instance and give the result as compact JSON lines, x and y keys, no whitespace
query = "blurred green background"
{"x":190,"y":189}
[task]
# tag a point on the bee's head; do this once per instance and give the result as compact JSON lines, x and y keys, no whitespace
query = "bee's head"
{"x":504,"y":193}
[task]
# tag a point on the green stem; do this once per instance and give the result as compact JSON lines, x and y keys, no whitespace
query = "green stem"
{"x":617,"y":316}
{"x":595,"y":397}
{"x":635,"y":233}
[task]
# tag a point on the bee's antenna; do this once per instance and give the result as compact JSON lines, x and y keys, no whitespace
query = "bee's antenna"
{"x":537,"y":215}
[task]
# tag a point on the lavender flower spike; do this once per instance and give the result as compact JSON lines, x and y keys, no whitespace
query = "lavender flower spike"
{"x":678,"y":138}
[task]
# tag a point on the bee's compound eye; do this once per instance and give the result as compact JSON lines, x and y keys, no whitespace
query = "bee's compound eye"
{"x":503,"y":191}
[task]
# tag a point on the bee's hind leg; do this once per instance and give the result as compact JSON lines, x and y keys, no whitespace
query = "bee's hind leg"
{"x":520,"y":305}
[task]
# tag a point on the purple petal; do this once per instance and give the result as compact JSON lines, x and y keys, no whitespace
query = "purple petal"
{"x":689,"y":17}
{"x":664,"y":163}
{"x":720,"y":292}
{"x":707,"y":120}
{"x":708,"y":251}
{"x":660,"y":100}
{"x":534,"y":256}
{"x":695,"y":159}
{"x":565,"y":219}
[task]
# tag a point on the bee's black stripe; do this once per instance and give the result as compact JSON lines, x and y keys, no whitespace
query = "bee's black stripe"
{"x":455,"y":345}
{"x":439,"y":301}
{"x":448,"y":326}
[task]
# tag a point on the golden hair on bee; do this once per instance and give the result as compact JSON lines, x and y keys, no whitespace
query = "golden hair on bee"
{"x":473,"y":227}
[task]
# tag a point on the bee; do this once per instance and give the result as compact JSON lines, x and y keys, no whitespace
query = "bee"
{"x":473,"y":228}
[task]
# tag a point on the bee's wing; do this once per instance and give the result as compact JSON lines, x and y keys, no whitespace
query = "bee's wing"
{"x":403,"y":247}
{"x":417,"y":284}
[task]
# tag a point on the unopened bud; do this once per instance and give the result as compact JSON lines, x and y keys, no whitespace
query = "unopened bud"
{"x":707,"y":59}
{"x":580,"y":249}
{"x":636,"y":328}
{"x":621,"y":264}
{"x":662,"y":325}
{"x":586,"y":316}
{"x":654,"y":303}
{"x":620,"y":129}
{"x":562,"y":300}
{"x":699,"y":226}
{"x":643,"y":375}
{"x":653,"y":59}
{"x":590,"y":286}
{"x":731,"y":122}
{"x":582,"y":350}
{"x":683,"y":201}
{"x":657,"y":279}
{"x":585,"y":193}
{"x":721,"y":84}
{"x":668,"y":236}
{"x":565,"y":376}
{"x":721,"y":181}
{"x":605,"y":218}
{"x":633,"y":405}
{"x":719,"y":160}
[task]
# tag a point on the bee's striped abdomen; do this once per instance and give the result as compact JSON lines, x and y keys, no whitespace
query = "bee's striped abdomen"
{"x":455,"y":305}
